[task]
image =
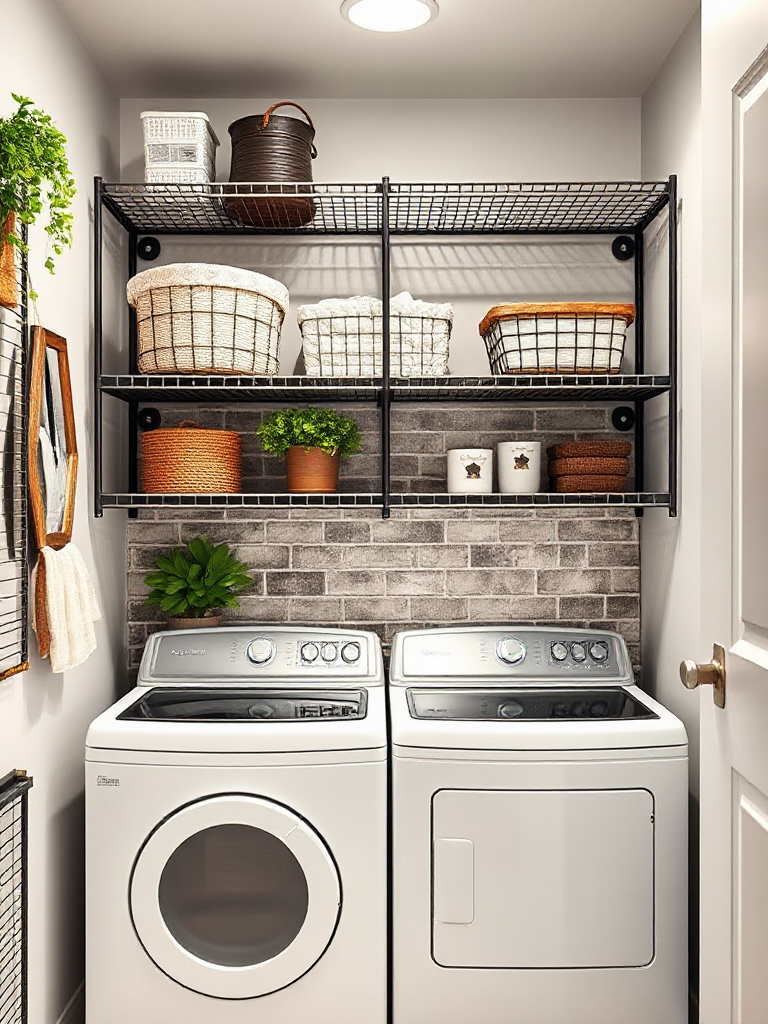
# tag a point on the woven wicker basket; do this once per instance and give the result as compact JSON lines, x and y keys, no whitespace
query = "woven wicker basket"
{"x":204,"y":318}
{"x":588,"y":467}
{"x":556,"y":337}
{"x":9,"y":288}
{"x":189,"y":459}
{"x":590,"y":450}
{"x":588,"y":484}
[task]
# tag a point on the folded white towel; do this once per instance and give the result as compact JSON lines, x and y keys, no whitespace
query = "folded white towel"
{"x":70,"y":606}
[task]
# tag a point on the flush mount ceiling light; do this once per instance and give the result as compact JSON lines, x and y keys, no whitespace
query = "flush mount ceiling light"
{"x":389,"y":15}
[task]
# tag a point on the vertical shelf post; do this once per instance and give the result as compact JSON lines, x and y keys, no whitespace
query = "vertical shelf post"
{"x":133,"y":407}
{"x":386,"y":479}
{"x":98,"y":328}
{"x":673,"y":345}
{"x":639,"y":361}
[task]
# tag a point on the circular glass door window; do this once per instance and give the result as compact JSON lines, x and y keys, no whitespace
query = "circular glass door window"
{"x":235,"y":896}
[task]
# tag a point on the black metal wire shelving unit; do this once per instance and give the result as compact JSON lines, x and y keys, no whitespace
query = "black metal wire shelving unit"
{"x":386,"y":210}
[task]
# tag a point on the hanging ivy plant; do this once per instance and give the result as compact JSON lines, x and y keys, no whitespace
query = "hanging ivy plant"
{"x":34,"y":173}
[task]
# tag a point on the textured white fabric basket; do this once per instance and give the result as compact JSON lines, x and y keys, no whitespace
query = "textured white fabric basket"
{"x":344,"y":337}
{"x":206,"y":318}
{"x":178,"y":141}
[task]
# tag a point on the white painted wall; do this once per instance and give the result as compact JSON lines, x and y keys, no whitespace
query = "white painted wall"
{"x":43,"y":718}
{"x":671,"y":572}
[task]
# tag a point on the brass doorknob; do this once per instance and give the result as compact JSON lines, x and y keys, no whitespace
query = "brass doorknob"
{"x":711,"y":673}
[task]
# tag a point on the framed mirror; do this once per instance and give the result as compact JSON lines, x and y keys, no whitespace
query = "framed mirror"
{"x":52,"y":445}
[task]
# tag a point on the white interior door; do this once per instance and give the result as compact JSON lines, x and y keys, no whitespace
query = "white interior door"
{"x":734,"y":741}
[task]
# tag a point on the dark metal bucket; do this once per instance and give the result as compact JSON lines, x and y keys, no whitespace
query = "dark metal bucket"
{"x":272,"y":148}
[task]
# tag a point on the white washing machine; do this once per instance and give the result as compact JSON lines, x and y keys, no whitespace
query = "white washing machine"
{"x":236,"y":806}
{"x":540,"y":805}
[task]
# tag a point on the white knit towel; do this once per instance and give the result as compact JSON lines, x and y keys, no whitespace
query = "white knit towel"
{"x":71,"y":605}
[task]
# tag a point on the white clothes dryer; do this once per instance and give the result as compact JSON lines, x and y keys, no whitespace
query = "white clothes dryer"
{"x":236,"y":833}
{"x":540,"y":804}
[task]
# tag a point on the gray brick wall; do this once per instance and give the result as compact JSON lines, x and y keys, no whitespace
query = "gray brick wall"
{"x":422,"y":567}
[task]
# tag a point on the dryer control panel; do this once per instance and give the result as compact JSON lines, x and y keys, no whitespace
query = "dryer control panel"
{"x":519,"y":654}
{"x":293,"y":655}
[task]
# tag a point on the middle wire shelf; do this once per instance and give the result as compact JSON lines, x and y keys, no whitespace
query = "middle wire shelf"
{"x":518,"y":388}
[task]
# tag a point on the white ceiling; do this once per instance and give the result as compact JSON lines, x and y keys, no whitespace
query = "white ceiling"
{"x":186,"y":49}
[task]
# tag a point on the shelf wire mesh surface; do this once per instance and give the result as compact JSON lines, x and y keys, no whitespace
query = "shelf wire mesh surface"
{"x":519,"y":388}
{"x":13,"y":486}
{"x":479,"y":208}
{"x":13,"y":895}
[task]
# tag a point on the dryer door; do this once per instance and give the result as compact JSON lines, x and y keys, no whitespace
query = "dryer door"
{"x":235,"y":896}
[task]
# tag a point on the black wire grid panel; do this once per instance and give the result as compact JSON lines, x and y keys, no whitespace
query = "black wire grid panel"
{"x":476,"y":208}
{"x":13,"y":483}
{"x":14,"y":788}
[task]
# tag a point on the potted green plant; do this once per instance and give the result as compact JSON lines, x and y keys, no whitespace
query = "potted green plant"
{"x":34,"y":173}
{"x":190,"y":584}
{"x":313,"y":441}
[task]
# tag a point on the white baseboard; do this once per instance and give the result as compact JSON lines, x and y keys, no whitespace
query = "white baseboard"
{"x":74,"y":1011}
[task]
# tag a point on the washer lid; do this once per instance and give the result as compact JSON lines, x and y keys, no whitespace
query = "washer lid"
{"x":633,"y":720}
{"x":242,"y":720}
{"x":524,"y":705}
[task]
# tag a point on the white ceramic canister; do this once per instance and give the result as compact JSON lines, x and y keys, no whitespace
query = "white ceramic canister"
{"x":470,"y":471}
{"x":519,"y":467}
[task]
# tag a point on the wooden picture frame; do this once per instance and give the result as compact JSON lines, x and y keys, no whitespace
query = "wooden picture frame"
{"x":51,"y":415}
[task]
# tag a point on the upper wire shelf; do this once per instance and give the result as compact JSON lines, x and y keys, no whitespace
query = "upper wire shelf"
{"x":473,"y":208}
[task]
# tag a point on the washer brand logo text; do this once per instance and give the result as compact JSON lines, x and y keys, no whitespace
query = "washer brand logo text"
{"x":105,"y":780}
{"x":188,"y":654}
{"x":431,"y":652}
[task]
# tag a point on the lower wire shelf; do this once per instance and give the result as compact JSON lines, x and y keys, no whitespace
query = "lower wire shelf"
{"x":629,"y":499}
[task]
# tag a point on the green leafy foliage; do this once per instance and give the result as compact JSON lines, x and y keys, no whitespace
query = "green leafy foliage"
{"x":190,"y":581}
{"x":34,"y":172}
{"x":309,"y":427}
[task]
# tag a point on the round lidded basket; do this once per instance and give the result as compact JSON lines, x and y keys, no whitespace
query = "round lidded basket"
{"x":269,"y":148}
{"x":556,"y":337}
{"x":189,"y":459}
{"x":206,"y":318}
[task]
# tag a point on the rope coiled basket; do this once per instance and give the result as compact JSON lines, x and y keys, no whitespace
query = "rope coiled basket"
{"x":189,"y":459}
{"x":206,"y":318}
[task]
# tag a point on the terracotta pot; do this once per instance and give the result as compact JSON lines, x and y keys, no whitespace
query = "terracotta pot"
{"x":205,"y":623}
{"x":312,"y":471}
{"x":9,"y":289}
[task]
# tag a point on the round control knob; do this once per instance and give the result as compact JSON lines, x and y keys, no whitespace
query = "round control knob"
{"x":350,"y":653}
{"x":579,"y":708}
{"x":511,"y":709}
{"x":599,"y":709}
{"x":559,"y":652}
{"x":510,"y":651}
{"x":328,"y":653}
{"x":261,"y":711}
{"x":598,"y":652}
{"x":309,"y":652}
{"x":261,"y":650}
{"x":578,"y":653}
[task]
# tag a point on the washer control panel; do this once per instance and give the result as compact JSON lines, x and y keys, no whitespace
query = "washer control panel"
{"x":523,"y":654}
{"x":255,"y":654}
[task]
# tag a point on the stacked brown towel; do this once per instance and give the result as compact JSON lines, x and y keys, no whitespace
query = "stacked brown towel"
{"x":589,"y":466}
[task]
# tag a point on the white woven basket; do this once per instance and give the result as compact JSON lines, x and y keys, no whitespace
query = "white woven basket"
{"x":206,"y":318}
{"x":177,"y":141}
{"x":344,"y":337}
